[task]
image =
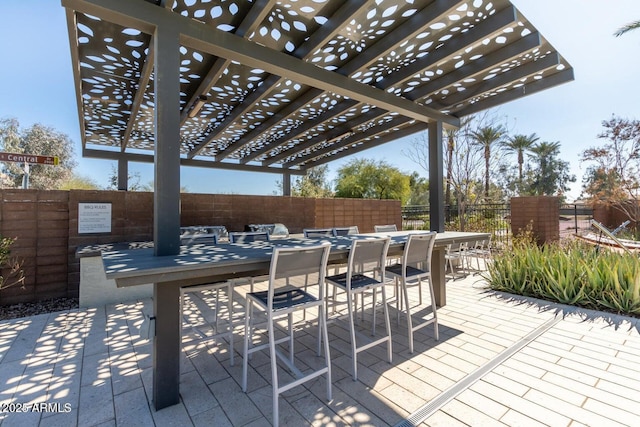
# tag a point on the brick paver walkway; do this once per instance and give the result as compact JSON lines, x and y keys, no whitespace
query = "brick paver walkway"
{"x":500,"y":360}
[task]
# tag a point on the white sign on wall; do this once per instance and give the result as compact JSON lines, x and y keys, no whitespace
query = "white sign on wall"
{"x":94,"y":218}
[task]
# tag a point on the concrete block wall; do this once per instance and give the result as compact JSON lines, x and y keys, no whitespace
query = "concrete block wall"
{"x":542,"y":213}
{"x":45,"y":224}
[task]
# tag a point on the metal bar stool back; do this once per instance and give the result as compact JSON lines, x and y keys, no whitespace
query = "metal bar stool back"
{"x":415,"y":267}
{"x":249,"y":237}
{"x":385,"y":228}
{"x":345,"y":231}
{"x":318,"y":232}
{"x":365,"y":273}
{"x":284,"y":296}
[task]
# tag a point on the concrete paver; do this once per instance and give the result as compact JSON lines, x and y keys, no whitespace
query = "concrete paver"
{"x":91,"y":367}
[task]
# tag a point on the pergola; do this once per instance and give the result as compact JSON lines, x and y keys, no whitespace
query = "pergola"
{"x":283,"y":86}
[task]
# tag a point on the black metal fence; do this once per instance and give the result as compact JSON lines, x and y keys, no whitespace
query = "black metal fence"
{"x":490,"y":217}
{"x":494,"y":218}
{"x":575,"y":219}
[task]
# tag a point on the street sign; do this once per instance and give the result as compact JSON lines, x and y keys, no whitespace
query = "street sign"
{"x":28,"y":158}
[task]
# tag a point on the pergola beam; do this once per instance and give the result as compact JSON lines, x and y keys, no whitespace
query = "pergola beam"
{"x":147,"y":158}
{"x":416,"y":24}
{"x":371,"y":132}
{"x":220,"y":43}
{"x":272,"y":121}
{"x":346,"y":12}
{"x":318,"y":139}
{"x":479,"y":66}
{"x":533,"y":68}
{"x":365,"y":145}
{"x":75,"y":66}
{"x":255,"y":16}
{"x":513,"y":94}
{"x":145,"y":76}
{"x":487,"y":28}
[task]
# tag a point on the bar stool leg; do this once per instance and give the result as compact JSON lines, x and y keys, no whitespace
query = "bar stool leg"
{"x":388,"y":324}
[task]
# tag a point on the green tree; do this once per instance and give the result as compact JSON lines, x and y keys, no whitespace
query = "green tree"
{"x":486,"y":137}
{"x":149,"y":187}
{"x":613,"y":176}
{"x":37,"y":140}
{"x":364,"y":178}
{"x":629,"y":27}
{"x":551,"y":176}
{"x":519,"y":145}
{"x":452,"y":135}
{"x":452,"y":139}
{"x":79,"y":182}
{"x":314,"y":184}
{"x":133,"y":181}
{"x":419,"y":190}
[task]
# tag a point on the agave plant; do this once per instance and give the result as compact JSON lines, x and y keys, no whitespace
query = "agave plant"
{"x":573,"y":274}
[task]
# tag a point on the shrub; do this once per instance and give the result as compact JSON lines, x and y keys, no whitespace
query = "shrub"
{"x":571,"y":273}
{"x":11,"y":272}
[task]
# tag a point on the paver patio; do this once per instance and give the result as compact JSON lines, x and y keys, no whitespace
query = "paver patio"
{"x":501,"y":360}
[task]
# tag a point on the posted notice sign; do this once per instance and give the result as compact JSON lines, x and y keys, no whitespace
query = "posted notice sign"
{"x":94,"y":218}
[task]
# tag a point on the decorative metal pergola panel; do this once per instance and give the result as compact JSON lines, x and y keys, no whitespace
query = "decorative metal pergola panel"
{"x":281,"y":86}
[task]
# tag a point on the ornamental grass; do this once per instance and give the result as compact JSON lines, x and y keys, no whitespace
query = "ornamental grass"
{"x":574,"y":273}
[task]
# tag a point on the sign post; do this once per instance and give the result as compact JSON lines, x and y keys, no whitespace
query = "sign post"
{"x":28,"y":159}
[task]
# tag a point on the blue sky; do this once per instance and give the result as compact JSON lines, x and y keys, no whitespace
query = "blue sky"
{"x":36,"y":86}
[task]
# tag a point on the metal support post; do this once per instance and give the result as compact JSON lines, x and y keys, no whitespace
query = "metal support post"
{"x":123,"y":174}
{"x":166,"y":222}
{"x":436,"y":177}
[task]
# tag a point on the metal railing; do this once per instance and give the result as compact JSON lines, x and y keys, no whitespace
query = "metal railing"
{"x":489,"y":217}
{"x":495,"y":218}
{"x":574,"y":219}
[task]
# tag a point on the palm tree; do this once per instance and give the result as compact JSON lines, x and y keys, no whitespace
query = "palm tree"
{"x":545,"y":153}
{"x":631,"y":26}
{"x":451,"y":135}
{"x":518,"y":144}
{"x":485,"y":137}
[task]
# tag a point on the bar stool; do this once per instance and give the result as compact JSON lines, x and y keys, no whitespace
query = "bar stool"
{"x":385,"y":228}
{"x":318,"y":232}
{"x":215,"y":287}
{"x":415,"y":266}
{"x":456,"y":251}
{"x":365,"y":272}
{"x":389,"y":228}
{"x":345,"y":231}
{"x":249,"y":237}
{"x":282,"y":299}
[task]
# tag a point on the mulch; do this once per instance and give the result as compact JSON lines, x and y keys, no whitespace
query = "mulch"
{"x":16,"y":311}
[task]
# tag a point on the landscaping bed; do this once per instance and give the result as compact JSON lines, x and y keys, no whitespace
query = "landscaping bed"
{"x":574,"y":273}
{"x":15,"y":311}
